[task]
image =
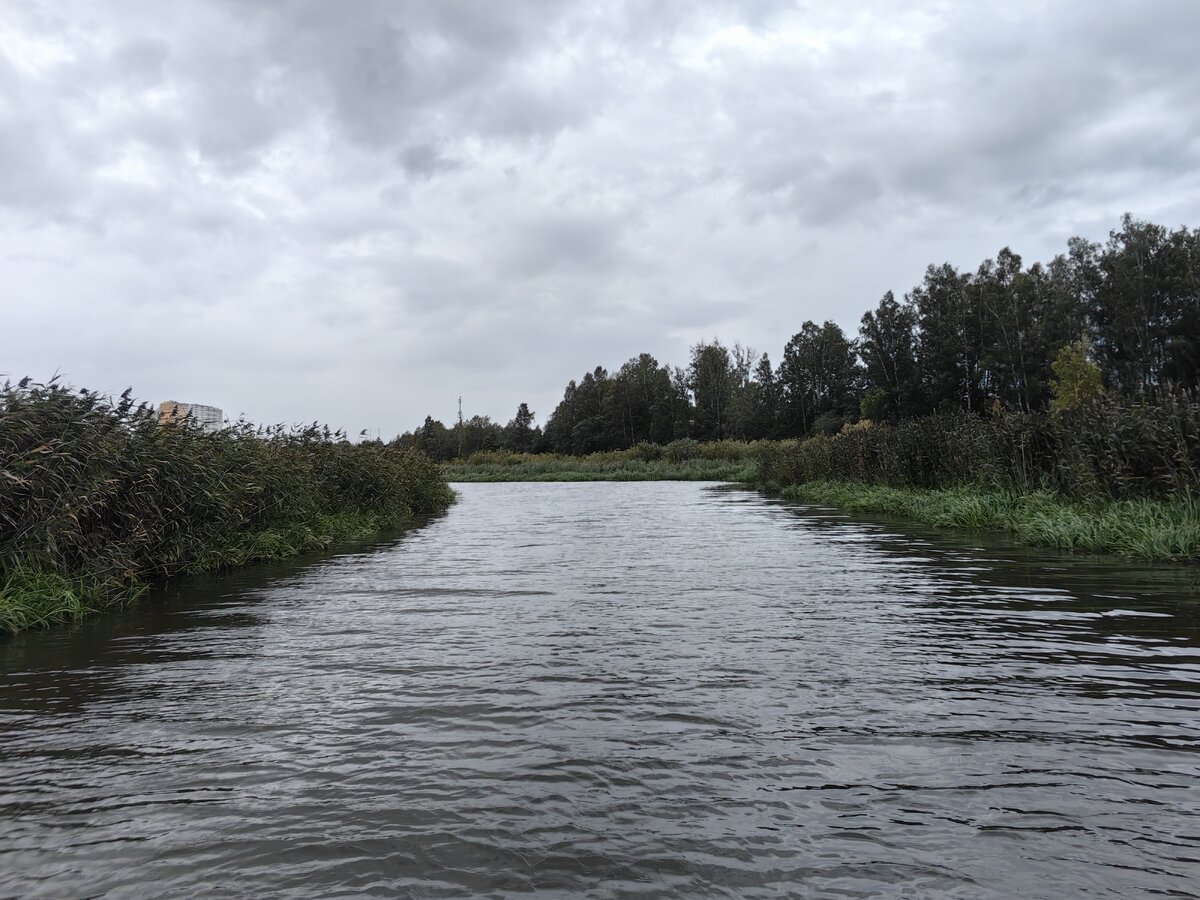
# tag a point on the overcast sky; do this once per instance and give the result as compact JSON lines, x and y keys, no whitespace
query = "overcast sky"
{"x":356,"y":212}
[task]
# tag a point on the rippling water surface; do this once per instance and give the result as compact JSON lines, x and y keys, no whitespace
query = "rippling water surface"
{"x":616,"y":690}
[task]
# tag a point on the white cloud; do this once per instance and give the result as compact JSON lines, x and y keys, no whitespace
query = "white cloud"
{"x":355,"y":213}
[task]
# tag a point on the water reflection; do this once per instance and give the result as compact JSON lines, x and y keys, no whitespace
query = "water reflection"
{"x":618,"y":690}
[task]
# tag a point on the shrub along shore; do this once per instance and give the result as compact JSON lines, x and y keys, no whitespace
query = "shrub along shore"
{"x":97,"y":500}
{"x":682,"y":460}
{"x":1102,"y":477}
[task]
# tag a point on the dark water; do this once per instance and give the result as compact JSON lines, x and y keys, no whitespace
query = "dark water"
{"x":614,"y":690}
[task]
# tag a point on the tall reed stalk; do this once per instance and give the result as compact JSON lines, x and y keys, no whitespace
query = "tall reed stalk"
{"x":1098,"y":451}
{"x":97,"y":498}
{"x":1102,"y":477}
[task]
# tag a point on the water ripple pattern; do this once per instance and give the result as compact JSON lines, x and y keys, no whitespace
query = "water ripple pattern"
{"x":618,"y":690}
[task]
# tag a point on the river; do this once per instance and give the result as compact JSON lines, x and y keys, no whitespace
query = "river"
{"x":612,"y":690}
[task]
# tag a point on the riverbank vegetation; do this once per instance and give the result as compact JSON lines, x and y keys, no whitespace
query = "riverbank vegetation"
{"x":97,"y":499}
{"x":1069,"y":386}
{"x":1097,"y":475}
{"x":682,"y":460}
{"x":1147,"y":529}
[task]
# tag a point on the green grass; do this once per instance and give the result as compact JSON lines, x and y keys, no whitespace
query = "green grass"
{"x":1146,"y":529}
{"x":588,"y":469}
{"x":282,"y":541}
{"x":33,"y":597}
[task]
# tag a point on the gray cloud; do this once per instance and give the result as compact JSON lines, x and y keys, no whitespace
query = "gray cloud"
{"x":556,"y":242}
{"x":425,"y":160}
{"x":358,"y":212}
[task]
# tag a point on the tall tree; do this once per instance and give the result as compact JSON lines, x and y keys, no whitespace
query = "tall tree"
{"x":589,"y":433}
{"x":887,"y":346}
{"x":1006,"y":329}
{"x":765,"y":394}
{"x":562,"y":421}
{"x":950,"y":347}
{"x":519,"y":434}
{"x":433,"y":439}
{"x":1182,"y":365}
{"x":578,"y":423}
{"x":476,"y":434}
{"x":1072,"y":281}
{"x":641,"y":403}
{"x":742,"y":394}
{"x":818,"y":379}
{"x":712,"y":380}
{"x":1137,"y":306}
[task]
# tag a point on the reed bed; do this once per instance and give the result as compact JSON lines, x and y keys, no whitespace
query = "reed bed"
{"x":1103,"y":477}
{"x":682,"y":460}
{"x":1102,"y":451}
{"x":631,"y":471}
{"x":97,"y":499}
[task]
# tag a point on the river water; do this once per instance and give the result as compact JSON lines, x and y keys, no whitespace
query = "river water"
{"x":614,"y":690}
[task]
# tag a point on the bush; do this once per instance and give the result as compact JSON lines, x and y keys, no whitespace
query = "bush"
{"x":97,"y":492}
{"x":680,"y":450}
{"x":1097,"y":451}
{"x":647,"y":451}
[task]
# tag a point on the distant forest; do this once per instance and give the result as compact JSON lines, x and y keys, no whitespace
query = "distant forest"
{"x":981,"y":341}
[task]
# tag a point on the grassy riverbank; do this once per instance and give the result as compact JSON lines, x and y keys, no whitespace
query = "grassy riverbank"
{"x":97,"y":500}
{"x":1104,"y":477}
{"x":566,"y":470}
{"x":678,"y":461}
{"x":1147,"y":529}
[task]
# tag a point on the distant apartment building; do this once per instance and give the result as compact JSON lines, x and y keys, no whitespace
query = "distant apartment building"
{"x":209,"y":418}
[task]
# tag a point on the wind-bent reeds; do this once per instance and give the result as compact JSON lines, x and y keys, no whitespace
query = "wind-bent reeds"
{"x":97,"y":498}
{"x":1102,"y":477}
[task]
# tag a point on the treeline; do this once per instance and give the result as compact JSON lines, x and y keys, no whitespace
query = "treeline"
{"x":976,"y":342}
{"x":97,"y":498}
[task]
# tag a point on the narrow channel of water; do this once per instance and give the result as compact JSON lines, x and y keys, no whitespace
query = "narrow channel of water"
{"x":614,"y":690}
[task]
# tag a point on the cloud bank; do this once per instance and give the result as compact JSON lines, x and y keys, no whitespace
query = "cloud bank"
{"x":358,"y":212}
